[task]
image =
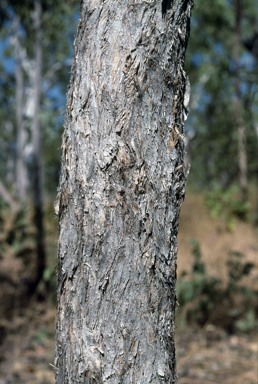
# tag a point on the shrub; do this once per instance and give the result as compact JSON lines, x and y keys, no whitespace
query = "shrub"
{"x":206,"y":299}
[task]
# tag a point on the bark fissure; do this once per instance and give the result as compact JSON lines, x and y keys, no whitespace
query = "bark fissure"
{"x":166,"y":5}
{"x":121,"y":187}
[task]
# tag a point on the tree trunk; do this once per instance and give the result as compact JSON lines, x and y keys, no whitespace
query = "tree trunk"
{"x":21,"y":172}
{"x":121,"y":187}
{"x":237,"y":105}
{"x":36,"y":144}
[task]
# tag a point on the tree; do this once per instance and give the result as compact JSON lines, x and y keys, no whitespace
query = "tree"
{"x":36,"y":143}
{"x":121,"y":187}
{"x":237,"y":103}
{"x":223,"y":75}
{"x":38,"y":54}
{"x":21,"y":172}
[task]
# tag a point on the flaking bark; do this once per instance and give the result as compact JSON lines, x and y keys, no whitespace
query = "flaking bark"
{"x":121,"y":187}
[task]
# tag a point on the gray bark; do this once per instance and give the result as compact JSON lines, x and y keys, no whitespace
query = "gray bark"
{"x":121,"y":187}
{"x":36,"y":143}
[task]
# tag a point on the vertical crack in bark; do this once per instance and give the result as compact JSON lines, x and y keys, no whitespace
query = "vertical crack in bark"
{"x":166,"y":6}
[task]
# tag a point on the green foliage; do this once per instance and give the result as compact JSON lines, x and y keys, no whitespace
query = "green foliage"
{"x":248,"y":322}
{"x":206,"y":299}
{"x":41,"y":335}
{"x":225,"y":203}
{"x":17,"y":234}
{"x":21,"y":237}
{"x":198,"y":266}
{"x":212,"y":127}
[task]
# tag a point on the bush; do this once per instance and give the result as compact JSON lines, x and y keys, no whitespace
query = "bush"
{"x":206,"y":299}
{"x":225,"y":203}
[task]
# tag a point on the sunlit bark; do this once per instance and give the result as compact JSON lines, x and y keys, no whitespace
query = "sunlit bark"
{"x":121,"y":188}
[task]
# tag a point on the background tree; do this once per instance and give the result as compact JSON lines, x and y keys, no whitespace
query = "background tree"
{"x":121,"y":188}
{"x":40,"y":67}
{"x":21,"y":171}
{"x":221,"y":70}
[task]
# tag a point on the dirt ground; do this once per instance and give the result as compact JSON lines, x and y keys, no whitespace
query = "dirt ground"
{"x":210,"y":356}
{"x":215,"y":240}
{"x":206,"y":355}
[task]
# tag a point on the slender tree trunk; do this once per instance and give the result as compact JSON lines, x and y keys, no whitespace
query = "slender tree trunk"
{"x":21,"y":172}
{"x":36,"y":143}
{"x":121,"y":188}
{"x":237,"y":105}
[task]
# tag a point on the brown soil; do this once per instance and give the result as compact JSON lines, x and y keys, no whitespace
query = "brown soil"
{"x":211,"y":356}
{"x":28,"y":348}
{"x":206,"y":355}
{"x":215,"y":240}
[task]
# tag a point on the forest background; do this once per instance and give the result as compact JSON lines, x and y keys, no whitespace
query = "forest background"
{"x":217,"y":261}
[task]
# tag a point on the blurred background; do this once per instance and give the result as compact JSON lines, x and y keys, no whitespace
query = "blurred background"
{"x":217,"y":283}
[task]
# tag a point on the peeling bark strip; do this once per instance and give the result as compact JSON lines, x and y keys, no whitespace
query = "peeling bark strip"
{"x":121,"y":187}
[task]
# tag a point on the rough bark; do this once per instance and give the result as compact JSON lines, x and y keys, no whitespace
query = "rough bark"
{"x":121,"y":187}
{"x":36,"y":143}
